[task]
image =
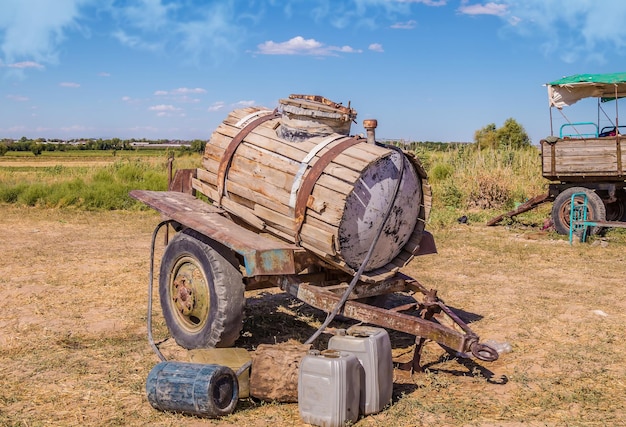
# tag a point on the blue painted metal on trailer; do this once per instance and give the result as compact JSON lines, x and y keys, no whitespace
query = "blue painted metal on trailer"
{"x":579,"y":224}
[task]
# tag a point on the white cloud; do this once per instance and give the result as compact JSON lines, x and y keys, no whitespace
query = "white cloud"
{"x":69,"y":84}
{"x":135,"y":42}
{"x":216,"y":106}
{"x":426,"y":2}
{"x":186,"y":90}
{"x":104,"y":74}
{"x":180,"y":91}
{"x":18,"y":98}
{"x":26,"y":64}
{"x":214,"y":34}
{"x":187,"y":99}
{"x":408,"y":25}
{"x":149,"y":15}
{"x":300,"y":46}
{"x":575,"y":30}
{"x":491,"y":8}
{"x":163,"y":107}
{"x":33,"y":29}
{"x":244,"y":103}
{"x":376,"y":47}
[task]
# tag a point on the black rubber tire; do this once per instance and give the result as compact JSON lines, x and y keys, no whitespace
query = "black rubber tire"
{"x":616,"y":211}
{"x":561,"y":209}
{"x":201,"y":292}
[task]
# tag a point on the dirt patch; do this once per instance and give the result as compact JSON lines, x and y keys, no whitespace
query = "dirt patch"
{"x":73,"y":346}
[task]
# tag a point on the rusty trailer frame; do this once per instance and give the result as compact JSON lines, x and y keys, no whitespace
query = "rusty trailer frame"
{"x":268,"y":262}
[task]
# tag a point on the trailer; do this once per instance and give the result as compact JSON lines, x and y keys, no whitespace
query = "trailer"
{"x":287,"y":199}
{"x":586,"y":156}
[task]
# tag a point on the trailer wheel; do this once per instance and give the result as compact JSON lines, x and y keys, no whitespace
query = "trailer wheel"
{"x":201,"y":292}
{"x":616,"y":211}
{"x":561,"y":209}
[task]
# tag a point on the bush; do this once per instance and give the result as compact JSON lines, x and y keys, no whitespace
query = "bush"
{"x":440,"y":171}
{"x":11,"y":194}
{"x":33,"y":195}
{"x":36,"y":149}
{"x":451,"y":196}
{"x":489,"y":192}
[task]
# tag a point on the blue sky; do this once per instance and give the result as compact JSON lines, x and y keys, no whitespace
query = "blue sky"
{"x":427,"y":70}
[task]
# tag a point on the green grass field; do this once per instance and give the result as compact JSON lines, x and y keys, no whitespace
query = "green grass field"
{"x":85,"y":179}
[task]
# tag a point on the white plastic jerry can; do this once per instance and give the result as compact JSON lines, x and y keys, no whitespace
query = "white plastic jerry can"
{"x":372,"y":347}
{"x":329,"y":388}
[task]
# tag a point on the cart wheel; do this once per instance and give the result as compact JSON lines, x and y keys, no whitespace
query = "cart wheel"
{"x":561,"y":209}
{"x":201,"y":292}
{"x":616,"y":211}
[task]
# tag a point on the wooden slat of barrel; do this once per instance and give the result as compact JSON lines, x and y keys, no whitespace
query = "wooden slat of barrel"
{"x":240,"y":185}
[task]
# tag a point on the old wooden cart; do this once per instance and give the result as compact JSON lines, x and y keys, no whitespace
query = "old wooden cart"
{"x":586,"y":156}
{"x":583,"y":157}
{"x":296,"y":203}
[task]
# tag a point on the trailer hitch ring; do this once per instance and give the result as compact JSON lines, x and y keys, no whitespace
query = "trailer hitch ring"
{"x":483,"y":352}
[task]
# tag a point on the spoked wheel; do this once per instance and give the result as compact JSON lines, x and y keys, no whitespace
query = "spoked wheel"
{"x":201,"y":292}
{"x":562,"y":204}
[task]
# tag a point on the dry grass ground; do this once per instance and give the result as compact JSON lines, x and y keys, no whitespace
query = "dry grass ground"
{"x":73,"y":346}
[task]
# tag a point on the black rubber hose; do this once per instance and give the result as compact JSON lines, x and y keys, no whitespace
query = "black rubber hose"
{"x":155,"y":348}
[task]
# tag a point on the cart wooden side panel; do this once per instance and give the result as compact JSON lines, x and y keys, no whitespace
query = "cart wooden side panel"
{"x":576,"y":160}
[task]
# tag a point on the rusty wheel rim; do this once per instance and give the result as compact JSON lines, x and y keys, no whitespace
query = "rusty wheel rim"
{"x":564,"y":212}
{"x":189,"y":295}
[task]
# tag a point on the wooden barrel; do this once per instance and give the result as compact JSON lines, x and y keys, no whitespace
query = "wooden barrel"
{"x":327,"y":192}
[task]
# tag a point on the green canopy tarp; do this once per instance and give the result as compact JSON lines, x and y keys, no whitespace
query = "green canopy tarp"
{"x":569,"y":90}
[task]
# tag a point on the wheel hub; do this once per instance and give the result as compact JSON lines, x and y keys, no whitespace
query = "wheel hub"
{"x":189,"y":294}
{"x":184,"y":297}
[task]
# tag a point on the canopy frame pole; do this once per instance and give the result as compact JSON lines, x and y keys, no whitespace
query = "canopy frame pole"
{"x":551,"y":127}
{"x":616,"y":112}
{"x":598,"y":112}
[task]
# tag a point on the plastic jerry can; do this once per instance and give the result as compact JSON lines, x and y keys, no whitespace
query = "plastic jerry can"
{"x":191,"y":388}
{"x":234,"y":358}
{"x":329,"y":388}
{"x":372,"y":347}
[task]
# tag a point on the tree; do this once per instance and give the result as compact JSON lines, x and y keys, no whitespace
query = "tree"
{"x":486,"y":137}
{"x":3,"y":149}
{"x":197,"y":146}
{"x":511,"y":135}
{"x":36,"y":148}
